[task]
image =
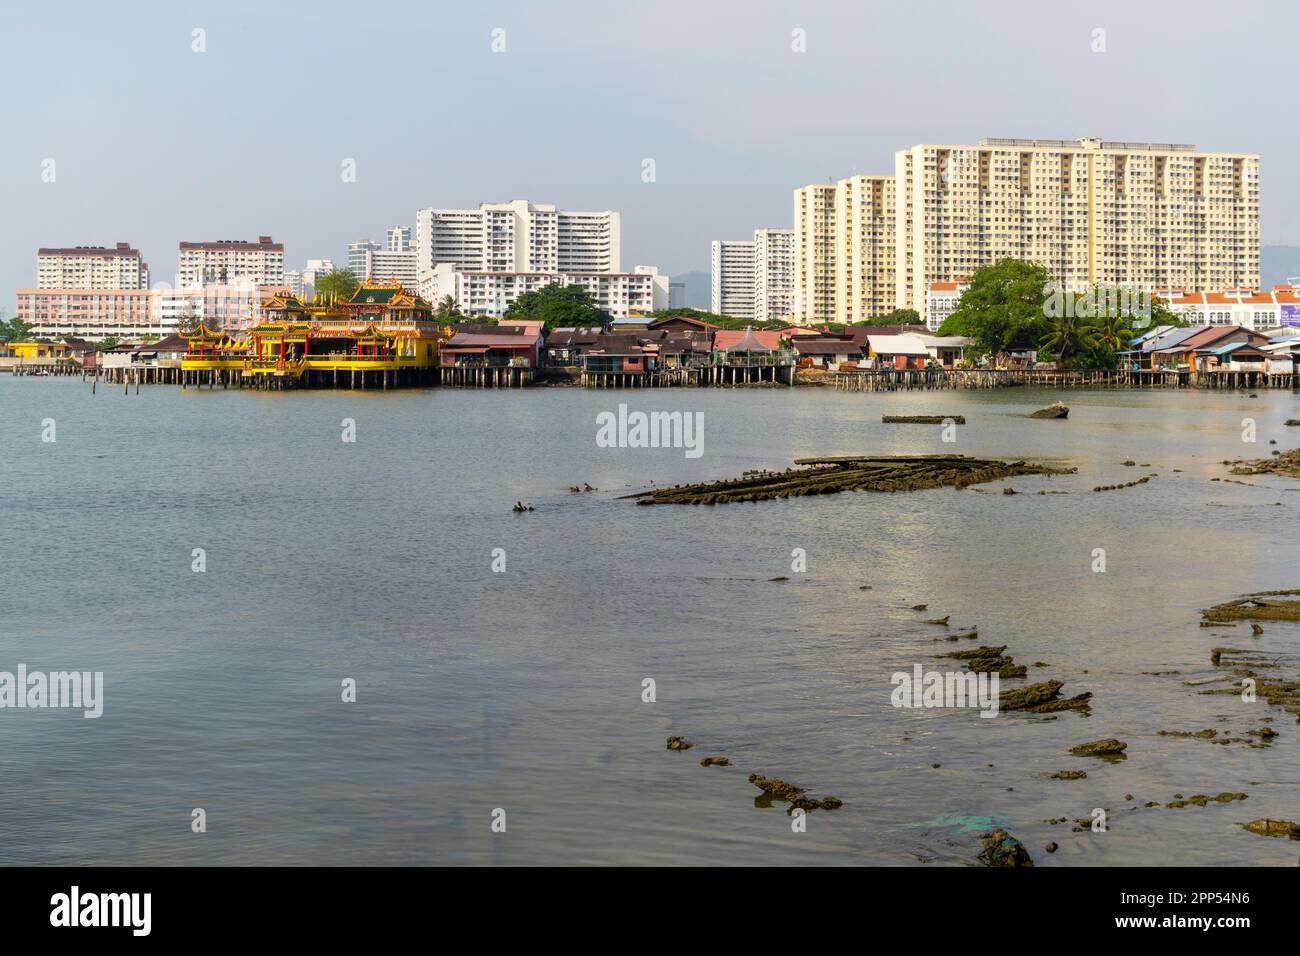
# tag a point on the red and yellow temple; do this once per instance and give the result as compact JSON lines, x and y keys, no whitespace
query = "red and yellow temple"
{"x":381,"y":337}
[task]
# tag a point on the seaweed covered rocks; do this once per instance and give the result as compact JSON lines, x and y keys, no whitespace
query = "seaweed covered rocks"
{"x":822,"y":476}
{"x":1260,"y":606}
{"x":1002,"y":849}
{"x":990,"y":660}
{"x":923,"y":419}
{"x":1286,"y":464}
{"x":1274,"y":828}
{"x":776,"y":789}
{"x":1109,"y":747}
{"x":1044,"y":698}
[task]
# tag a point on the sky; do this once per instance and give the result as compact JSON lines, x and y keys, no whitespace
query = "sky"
{"x":153,"y":143}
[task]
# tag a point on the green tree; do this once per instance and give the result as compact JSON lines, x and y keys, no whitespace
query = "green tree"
{"x":447,"y":312}
{"x":1068,"y":336}
{"x":340,"y":283}
{"x":558,"y":306}
{"x":897,"y":317}
{"x":1113,"y":332}
{"x":1003,"y":306}
{"x":18,"y":331}
{"x":109,"y":341}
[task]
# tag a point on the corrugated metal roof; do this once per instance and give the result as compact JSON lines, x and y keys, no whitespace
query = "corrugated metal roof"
{"x":896,"y":345}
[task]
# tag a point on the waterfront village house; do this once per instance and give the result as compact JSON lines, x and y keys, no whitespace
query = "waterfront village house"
{"x":40,"y":352}
{"x":825,"y":351}
{"x":119,"y":356}
{"x":82,"y":351}
{"x":681,"y":323}
{"x":1185,"y":352}
{"x":1284,"y":354}
{"x":632,"y":323}
{"x":1019,"y":354}
{"x":804,"y":332}
{"x":528,"y":325}
{"x":493,"y":346}
{"x":1233,"y":357}
{"x":566,"y":346}
{"x":1147,"y":351}
{"x":685,"y":348}
{"x":947,"y":350}
{"x":746,"y":347}
{"x":624,"y":352}
{"x":167,"y":352}
{"x":896,"y":351}
{"x":674,"y":347}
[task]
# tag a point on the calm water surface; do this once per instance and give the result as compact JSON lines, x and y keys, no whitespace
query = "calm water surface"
{"x":522,"y":690}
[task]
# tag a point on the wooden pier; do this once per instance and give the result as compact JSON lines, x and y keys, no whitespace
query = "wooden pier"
{"x":44,"y":368}
{"x":697,"y":376}
{"x":485,"y":376}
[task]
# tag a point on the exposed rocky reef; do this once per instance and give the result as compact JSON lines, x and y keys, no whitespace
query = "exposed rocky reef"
{"x":822,"y":476}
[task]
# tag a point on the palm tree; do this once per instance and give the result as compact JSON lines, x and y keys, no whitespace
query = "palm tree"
{"x":1113,"y":331}
{"x":1069,"y":335}
{"x":447,"y":311}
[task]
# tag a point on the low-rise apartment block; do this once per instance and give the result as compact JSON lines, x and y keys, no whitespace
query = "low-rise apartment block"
{"x":480,"y":293}
{"x":91,"y":267}
{"x":229,"y":261}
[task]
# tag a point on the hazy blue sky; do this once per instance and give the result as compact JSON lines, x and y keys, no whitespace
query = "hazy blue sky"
{"x":155,"y":143}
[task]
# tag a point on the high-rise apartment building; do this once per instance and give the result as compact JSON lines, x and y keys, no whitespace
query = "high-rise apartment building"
{"x":865,"y":253}
{"x":754,"y":278}
{"x":357,"y":252}
{"x":733,"y":278}
{"x":382,"y":264}
{"x":227,"y":262}
{"x":91,"y":267}
{"x":399,"y":239}
{"x":815,"y":253}
{"x":844,"y":250}
{"x":1093,"y":212}
{"x":517,"y":236}
{"x":773,"y":274}
{"x":1140,"y":215}
{"x":314,"y":269}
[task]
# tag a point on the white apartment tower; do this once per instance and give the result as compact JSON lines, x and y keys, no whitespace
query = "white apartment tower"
{"x":1112,"y":213}
{"x":399,"y":239}
{"x":517,"y":236}
{"x":227,"y":262}
{"x":91,"y":267}
{"x":773,"y":274}
{"x":733,"y":278}
{"x":380,"y":264}
{"x":754,"y":278}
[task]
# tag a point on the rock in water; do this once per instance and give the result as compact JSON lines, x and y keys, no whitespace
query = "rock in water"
{"x":1002,"y":849}
{"x":1054,"y":410}
{"x":1282,"y":828}
{"x":1109,"y":747}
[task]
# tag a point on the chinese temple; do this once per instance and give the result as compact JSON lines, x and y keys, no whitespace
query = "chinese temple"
{"x":381,"y":337}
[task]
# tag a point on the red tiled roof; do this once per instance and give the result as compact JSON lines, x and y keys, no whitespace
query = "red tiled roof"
{"x":726,"y":339}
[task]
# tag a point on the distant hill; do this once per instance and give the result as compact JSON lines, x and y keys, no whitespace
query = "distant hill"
{"x":699,"y":289}
{"x":1277,"y":264}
